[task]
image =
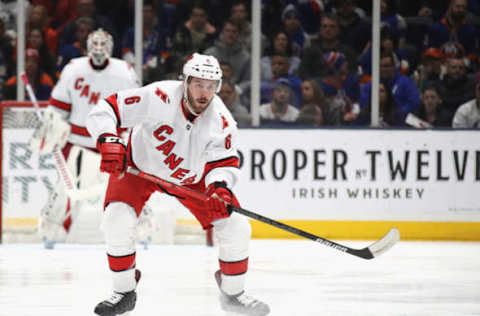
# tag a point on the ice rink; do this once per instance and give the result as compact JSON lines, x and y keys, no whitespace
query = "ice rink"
{"x":295,"y":277}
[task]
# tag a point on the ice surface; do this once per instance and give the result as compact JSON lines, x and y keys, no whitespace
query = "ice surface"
{"x":294,"y":277}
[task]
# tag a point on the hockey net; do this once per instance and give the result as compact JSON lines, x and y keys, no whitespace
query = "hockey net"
{"x":28,"y":178}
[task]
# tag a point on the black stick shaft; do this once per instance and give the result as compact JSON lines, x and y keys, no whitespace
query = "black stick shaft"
{"x":177,"y":189}
{"x":363,"y":253}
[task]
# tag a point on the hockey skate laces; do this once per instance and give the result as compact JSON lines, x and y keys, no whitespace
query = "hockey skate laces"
{"x":247,"y":300}
{"x":115,"y":298}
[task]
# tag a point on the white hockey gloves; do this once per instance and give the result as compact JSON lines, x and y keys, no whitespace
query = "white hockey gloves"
{"x":51,"y":133}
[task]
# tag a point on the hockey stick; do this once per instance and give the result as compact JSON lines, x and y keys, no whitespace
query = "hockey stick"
{"x":372,"y":251}
{"x":60,"y":162}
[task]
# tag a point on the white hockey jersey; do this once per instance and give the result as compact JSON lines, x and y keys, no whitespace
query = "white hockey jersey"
{"x":164,"y":142}
{"x":81,"y":87}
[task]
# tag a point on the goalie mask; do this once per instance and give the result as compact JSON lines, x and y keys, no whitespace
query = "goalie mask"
{"x":99,"y":47}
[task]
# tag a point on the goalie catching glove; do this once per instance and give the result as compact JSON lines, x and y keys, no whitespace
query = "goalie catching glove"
{"x":114,"y":154}
{"x":219,"y":200}
{"x":50,"y":134}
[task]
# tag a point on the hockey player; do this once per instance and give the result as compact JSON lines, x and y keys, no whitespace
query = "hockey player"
{"x":181,"y":132}
{"x":82,"y":84}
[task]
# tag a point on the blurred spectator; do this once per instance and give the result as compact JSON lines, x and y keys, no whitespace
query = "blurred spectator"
{"x":468,"y":114}
{"x":279,"y":44}
{"x":310,"y":13}
{"x":310,"y":115}
{"x":42,"y":84}
{"x":227,"y":70}
{"x":354,"y":31}
{"x":7,"y":64}
{"x":168,"y":68}
{"x":280,"y":69}
{"x":341,"y":88}
{"x":395,"y":22}
{"x":36,"y":40}
{"x":295,"y":31}
{"x":59,"y":12}
{"x":229,"y":49}
{"x":230,"y":97}
{"x":38,"y":18}
{"x":389,"y":111}
{"x":430,"y":69}
{"x":315,"y":105}
{"x":84,"y":26}
{"x":227,"y":73}
{"x":453,"y":28}
{"x":120,"y":12}
{"x":432,"y":110}
{"x":239,"y":16}
{"x":388,"y":45}
{"x":403,"y":88}
{"x":87,"y":9}
{"x":422,"y":8}
{"x":279,"y":110}
{"x":312,"y":64}
{"x":459,"y":88}
{"x":331,"y":115}
{"x":196,"y":35}
{"x":154,"y":41}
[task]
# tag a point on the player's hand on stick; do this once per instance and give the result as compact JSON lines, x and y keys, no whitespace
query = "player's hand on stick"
{"x":219,"y":199}
{"x":51,"y":133}
{"x":114,"y":154}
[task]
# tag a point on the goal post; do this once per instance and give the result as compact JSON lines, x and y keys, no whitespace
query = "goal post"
{"x":28,"y":178}
{"x":16,"y":117}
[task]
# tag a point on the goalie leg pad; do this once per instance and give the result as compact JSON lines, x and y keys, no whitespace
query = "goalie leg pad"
{"x":53,"y":215}
{"x":119,"y":226}
{"x":51,"y":133}
{"x":233,"y":235}
{"x":145,"y":226}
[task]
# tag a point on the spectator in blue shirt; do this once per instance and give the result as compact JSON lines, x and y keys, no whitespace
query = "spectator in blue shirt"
{"x":403,"y":88}
{"x":341,"y":88}
{"x":453,"y":28}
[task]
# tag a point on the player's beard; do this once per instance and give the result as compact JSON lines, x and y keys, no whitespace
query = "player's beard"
{"x":195,"y":107}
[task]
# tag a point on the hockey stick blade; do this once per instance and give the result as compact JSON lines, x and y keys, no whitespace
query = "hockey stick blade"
{"x":372,"y":251}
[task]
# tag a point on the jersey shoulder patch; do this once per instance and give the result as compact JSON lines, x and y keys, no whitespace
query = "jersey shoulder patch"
{"x":167,"y":91}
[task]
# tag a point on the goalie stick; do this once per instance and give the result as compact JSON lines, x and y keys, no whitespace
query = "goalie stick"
{"x":372,"y":251}
{"x":60,"y":162}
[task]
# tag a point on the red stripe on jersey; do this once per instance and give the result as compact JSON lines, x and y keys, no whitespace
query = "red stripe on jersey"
{"x":121,"y":263}
{"x":227,"y":162}
{"x":61,"y":105}
{"x":234,"y":268}
{"x":79,"y":130}
{"x":188,"y":116}
{"x":112,"y":100}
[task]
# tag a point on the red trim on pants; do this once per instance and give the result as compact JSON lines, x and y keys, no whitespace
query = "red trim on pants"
{"x":121,"y":263}
{"x":234,"y":268}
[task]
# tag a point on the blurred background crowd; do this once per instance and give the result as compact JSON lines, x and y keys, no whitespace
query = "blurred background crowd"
{"x":316,"y":54}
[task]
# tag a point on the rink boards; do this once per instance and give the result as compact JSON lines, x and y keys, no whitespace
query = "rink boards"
{"x":337,"y":183}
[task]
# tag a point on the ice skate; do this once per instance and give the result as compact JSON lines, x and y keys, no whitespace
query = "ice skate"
{"x":241,"y":303}
{"x":118,"y":303}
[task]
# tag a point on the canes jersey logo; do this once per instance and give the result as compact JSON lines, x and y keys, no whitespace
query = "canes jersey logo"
{"x":172,"y":160}
{"x":84,"y":90}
